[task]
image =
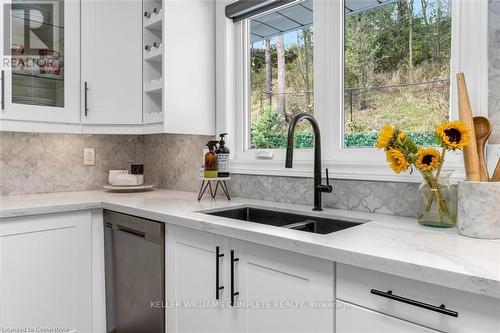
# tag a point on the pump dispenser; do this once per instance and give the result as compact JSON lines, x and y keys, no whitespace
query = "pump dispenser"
{"x":211,"y":161}
{"x":223,"y":155}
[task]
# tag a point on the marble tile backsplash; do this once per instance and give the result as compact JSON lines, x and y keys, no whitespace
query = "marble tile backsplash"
{"x":36,"y":163}
{"x":172,"y":161}
{"x":390,"y":198}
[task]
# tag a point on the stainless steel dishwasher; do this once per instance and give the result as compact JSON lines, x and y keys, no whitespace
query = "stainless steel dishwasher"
{"x":135,"y":274}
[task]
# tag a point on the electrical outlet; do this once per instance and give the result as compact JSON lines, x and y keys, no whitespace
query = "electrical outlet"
{"x":88,"y":156}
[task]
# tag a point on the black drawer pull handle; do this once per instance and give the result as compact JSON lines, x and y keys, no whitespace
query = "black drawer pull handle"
{"x":218,"y":255}
{"x":441,"y":309}
{"x":3,"y":90}
{"x":233,"y":293}
{"x":86,"y":89}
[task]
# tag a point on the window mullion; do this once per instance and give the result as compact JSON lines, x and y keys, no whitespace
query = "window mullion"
{"x":328,"y":73}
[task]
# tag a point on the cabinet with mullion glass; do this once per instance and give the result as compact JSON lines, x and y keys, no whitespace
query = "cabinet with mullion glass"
{"x":37,"y":50}
{"x":36,"y":85}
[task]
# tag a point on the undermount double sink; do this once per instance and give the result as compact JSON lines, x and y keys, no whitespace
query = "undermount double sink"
{"x":307,"y":223}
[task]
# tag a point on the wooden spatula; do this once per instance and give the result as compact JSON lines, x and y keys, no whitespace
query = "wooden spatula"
{"x":496,"y":173}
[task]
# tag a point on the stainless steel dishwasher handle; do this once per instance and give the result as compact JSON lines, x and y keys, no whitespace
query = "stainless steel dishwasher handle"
{"x":131,"y":231}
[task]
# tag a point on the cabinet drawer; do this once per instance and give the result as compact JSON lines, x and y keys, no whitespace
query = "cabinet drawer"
{"x":475,"y":313}
{"x":355,"y":319}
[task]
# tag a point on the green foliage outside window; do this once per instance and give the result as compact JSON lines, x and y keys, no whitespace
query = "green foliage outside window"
{"x":267,"y":133}
{"x":396,"y":70}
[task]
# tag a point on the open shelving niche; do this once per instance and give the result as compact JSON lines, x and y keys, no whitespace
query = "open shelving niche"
{"x":153,"y":63}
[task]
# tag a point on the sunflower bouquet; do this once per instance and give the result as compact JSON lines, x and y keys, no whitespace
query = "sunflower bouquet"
{"x":436,"y":206}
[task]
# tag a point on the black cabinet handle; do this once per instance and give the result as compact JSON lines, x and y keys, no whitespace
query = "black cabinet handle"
{"x":218,"y":255}
{"x":233,"y":293}
{"x":86,"y":89}
{"x":3,"y":90}
{"x":441,"y":309}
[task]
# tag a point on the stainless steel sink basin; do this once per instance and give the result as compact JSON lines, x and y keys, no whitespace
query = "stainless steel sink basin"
{"x":314,"y":224}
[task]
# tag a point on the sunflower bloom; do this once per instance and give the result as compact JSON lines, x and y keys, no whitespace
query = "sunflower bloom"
{"x":386,"y":137}
{"x":428,"y":159}
{"x":454,"y":135}
{"x":401,"y":136}
{"x":397,"y":160}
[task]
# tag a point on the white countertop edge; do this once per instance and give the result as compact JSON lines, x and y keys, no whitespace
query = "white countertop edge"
{"x":432,"y":275}
{"x":40,"y":210}
{"x":466,"y":279}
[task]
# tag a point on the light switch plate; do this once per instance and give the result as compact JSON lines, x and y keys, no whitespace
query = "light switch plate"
{"x":88,"y":156}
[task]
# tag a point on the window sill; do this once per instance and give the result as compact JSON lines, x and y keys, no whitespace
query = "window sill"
{"x":337,"y":170}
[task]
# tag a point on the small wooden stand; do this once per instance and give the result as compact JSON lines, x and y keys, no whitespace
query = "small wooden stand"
{"x":219,"y":181}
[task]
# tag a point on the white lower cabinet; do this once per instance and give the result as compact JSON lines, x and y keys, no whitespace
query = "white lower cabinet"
{"x":273,"y":290}
{"x":354,"y":319}
{"x":52,"y":276}
{"x":45,"y":272}
{"x":281,"y":291}
{"x":383,"y":297}
{"x":191,"y":267}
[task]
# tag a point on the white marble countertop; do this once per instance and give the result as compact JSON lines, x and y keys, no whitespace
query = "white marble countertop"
{"x":394,"y":245}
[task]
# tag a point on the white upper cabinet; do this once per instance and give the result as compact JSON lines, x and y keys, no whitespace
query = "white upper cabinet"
{"x":189,"y":34}
{"x":111,"y":62}
{"x":108,"y":66}
{"x":40,"y":67}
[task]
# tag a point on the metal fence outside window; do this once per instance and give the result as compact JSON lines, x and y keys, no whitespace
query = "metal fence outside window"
{"x":360,"y":98}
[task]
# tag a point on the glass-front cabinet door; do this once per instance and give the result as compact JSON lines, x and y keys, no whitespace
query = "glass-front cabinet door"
{"x":40,"y":60}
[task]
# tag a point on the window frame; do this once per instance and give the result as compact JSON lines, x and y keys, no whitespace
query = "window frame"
{"x":469,"y":55}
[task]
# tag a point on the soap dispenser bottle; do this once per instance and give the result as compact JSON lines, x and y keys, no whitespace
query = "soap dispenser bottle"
{"x":223,"y":155}
{"x":211,"y":161}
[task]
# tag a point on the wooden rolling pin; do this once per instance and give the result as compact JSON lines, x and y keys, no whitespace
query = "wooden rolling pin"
{"x":471,"y":158}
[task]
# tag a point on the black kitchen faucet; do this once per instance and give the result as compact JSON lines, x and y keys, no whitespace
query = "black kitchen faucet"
{"x":318,"y":187}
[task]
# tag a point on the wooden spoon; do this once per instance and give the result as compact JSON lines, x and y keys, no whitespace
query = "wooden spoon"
{"x":483,"y":128}
{"x":496,"y":173}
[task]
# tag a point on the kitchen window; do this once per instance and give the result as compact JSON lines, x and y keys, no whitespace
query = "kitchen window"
{"x":397,"y":60}
{"x":281,"y":64}
{"x":355,"y":65}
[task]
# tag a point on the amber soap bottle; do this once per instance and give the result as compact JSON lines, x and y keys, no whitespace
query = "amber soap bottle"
{"x":211,"y":161}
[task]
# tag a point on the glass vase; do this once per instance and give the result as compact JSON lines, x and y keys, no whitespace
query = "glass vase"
{"x":437,"y":201}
